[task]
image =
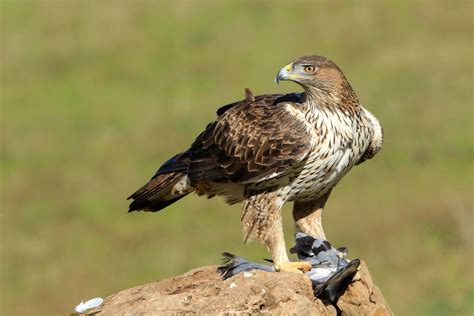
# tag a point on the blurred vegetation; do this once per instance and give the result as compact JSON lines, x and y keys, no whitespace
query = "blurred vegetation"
{"x":96,"y":95}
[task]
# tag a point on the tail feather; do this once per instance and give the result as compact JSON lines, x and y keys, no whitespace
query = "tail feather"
{"x":159,"y":192}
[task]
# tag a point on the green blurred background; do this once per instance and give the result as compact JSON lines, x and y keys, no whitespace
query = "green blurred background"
{"x":95,"y":95}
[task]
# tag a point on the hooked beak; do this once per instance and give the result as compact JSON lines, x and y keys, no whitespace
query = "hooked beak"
{"x":284,"y":73}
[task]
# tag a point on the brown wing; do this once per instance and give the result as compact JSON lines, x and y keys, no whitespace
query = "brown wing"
{"x":252,"y":140}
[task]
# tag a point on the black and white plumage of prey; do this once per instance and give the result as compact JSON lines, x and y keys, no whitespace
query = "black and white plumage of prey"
{"x":330,"y":271}
{"x":271,"y":149}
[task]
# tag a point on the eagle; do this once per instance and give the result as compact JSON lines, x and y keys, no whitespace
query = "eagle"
{"x":271,"y":149}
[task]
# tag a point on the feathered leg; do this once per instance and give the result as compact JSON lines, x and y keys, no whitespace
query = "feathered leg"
{"x":307,"y":216}
{"x":261,"y":219}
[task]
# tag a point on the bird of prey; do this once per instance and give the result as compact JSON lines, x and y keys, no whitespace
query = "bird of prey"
{"x":271,"y":149}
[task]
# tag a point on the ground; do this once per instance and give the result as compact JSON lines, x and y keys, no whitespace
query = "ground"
{"x":202,"y":291}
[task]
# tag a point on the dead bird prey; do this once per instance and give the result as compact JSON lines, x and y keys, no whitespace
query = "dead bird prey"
{"x":330,"y":272}
{"x":271,"y":149}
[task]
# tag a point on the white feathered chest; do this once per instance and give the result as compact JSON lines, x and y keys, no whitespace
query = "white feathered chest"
{"x":340,"y":142}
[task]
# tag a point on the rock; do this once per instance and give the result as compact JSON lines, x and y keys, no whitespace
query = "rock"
{"x":362,"y":297}
{"x":202,"y":291}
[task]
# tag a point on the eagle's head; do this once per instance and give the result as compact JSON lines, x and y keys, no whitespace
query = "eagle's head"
{"x":319,"y":77}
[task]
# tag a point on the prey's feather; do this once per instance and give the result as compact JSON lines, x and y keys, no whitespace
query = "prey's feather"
{"x":330,"y":273}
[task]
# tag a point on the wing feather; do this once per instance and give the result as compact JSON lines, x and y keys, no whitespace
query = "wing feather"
{"x":251,"y":140}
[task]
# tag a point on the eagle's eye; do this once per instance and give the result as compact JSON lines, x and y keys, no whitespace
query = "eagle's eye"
{"x":309,"y":69}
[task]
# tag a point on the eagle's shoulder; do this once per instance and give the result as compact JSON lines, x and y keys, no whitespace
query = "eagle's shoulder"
{"x":251,"y":139}
{"x":267,"y":100}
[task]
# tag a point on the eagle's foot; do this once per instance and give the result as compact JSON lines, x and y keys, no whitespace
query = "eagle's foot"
{"x":294,"y":267}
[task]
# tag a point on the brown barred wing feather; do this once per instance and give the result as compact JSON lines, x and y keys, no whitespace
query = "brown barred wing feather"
{"x":251,"y":141}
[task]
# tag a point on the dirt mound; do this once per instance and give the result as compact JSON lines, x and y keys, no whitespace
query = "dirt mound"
{"x":202,"y":291}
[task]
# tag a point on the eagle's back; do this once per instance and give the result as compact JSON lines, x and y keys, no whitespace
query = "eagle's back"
{"x":250,"y":141}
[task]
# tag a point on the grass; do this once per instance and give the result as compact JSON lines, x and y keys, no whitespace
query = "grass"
{"x":96,"y":95}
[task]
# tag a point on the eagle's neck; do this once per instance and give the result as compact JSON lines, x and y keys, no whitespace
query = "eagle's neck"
{"x":334,"y":96}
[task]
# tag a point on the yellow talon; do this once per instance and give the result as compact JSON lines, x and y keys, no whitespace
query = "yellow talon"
{"x":294,"y":267}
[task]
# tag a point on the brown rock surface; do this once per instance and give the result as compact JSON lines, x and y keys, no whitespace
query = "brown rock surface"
{"x":201,"y":291}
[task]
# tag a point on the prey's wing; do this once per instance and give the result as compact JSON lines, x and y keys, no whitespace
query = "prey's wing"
{"x":234,"y":265}
{"x":335,"y":286}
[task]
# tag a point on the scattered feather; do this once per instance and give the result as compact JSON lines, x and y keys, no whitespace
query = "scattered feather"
{"x":84,"y":306}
